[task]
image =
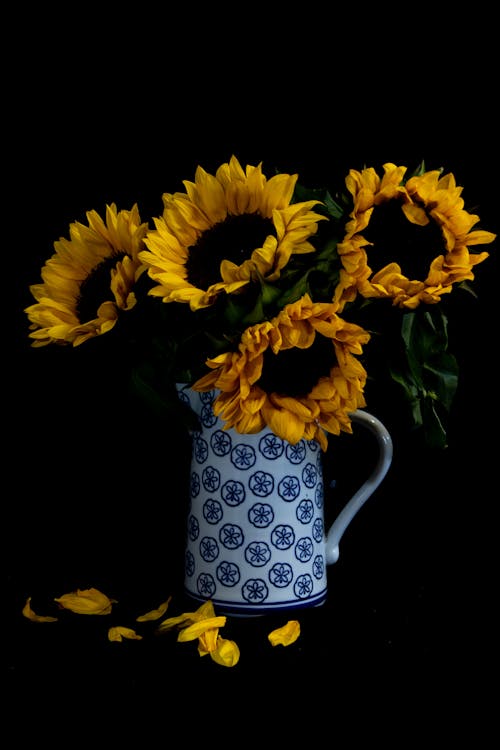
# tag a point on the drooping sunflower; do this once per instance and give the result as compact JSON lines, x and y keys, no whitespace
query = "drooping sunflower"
{"x":89,"y":280}
{"x":421,"y":222}
{"x":224,"y":231}
{"x":297,"y":374}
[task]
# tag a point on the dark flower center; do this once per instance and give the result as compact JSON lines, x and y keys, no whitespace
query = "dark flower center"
{"x":96,"y":289}
{"x":295,"y":372}
{"x":233,"y":239}
{"x":395,"y":239}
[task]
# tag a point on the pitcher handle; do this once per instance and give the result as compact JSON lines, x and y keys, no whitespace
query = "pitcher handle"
{"x":346,"y":515}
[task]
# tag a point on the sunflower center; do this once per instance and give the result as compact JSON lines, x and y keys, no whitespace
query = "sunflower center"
{"x":96,"y":289}
{"x":295,"y":372}
{"x":414,"y":246}
{"x":233,"y":239}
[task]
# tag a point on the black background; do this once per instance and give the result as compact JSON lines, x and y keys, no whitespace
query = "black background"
{"x":123,"y":113}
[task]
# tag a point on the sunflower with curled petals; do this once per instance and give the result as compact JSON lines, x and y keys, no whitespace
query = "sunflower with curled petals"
{"x":225,"y":231}
{"x":297,"y":373}
{"x":89,"y":281}
{"x":421,"y":222}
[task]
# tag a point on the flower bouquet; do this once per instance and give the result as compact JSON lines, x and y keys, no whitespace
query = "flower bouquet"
{"x":297,"y":305}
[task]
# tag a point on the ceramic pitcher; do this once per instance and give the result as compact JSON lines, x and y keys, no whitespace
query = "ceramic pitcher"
{"x":256,"y":538}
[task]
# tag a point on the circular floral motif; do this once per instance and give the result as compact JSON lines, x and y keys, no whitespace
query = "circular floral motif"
{"x":289,"y":488}
{"x":200,"y":450}
{"x":261,"y":515}
{"x":228,"y":573}
{"x":233,"y":492}
{"x":212,"y":511}
{"x":296,"y":453}
{"x":221,"y":443}
{"x":305,"y":511}
{"x":255,"y":590}
{"x":207,"y":417}
{"x":243,"y":456}
{"x":257,"y":554}
{"x":319,"y":495}
{"x":261,"y":483}
{"x":206,"y":585}
{"x":310,"y":475}
{"x":304,"y":549}
{"x":209,"y":549}
{"x":189,"y":564}
{"x":281,"y":575}
{"x":318,"y":566}
{"x":194,"y":484}
{"x":231,"y":536}
{"x":271,"y":446}
{"x":193,"y":528}
{"x":303,"y":586}
{"x":283,"y":536}
{"x":210,"y":479}
{"x":206,"y":398}
{"x":318,"y":530}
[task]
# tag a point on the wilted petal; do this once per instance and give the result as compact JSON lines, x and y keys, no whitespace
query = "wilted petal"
{"x":30,"y":615}
{"x":118,"y":633}
{"x":188,"y":618}
{"x":86,"y":602}
{"x":207,"y":642}
{"x":286,"y":635}
{"x":198,"y":628}
{"x":155,"y":614}
{"x":227,"y":653}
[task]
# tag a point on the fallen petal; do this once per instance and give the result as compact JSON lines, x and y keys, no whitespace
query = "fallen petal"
{"x":207,"y":642}
{"x":86,"y":602}
{"x":155,"y":614}
{"x":198,"y":628}
{"x":227,"y":653}
{"x":118,"y":633}
{"x":30,"y":615}
{"x":285,"y":635}
{"x":203,"y":612}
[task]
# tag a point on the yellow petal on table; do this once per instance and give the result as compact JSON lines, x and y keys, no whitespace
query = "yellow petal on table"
{"x":207,"y":642}
{"x":198,"y":628}
{"x":87,"y":602}
{"x":118,"y":633}
{"x":188,"y":618}
{"x":155,"y":614}
{"x":286,"y":635}
{"x":227,"y":653}
{"x":30,"y":615}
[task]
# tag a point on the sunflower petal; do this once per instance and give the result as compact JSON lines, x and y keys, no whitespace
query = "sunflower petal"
{"x":86,"y":602}
{"x":117,"y":633}
{"x":155,"y":614}
{"x":31,"y":615}
{"x":285,"y":635}
{"x":227,"y":653}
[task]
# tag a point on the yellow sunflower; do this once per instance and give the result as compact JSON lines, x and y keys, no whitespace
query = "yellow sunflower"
{"x":297,"y":374}
{"x":423,"y":221}
{"x":224,"y":231}
{"x":89,"y":280}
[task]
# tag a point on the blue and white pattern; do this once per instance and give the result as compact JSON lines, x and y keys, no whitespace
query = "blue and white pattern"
{"x":255,"y":528}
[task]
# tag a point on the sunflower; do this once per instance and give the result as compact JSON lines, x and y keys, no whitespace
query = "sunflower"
{"x":296,"y":373}
{"x":421,"y":220}
{"x":89,"y":280}
{"x":225,"y":231}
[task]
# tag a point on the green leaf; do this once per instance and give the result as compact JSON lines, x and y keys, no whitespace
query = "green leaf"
{"x":426,"y":372}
